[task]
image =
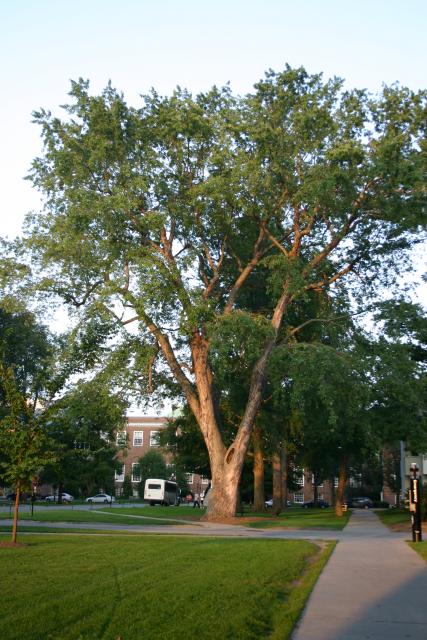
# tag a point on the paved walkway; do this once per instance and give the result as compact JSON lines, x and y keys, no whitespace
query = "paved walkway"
{"x":373,"y":587}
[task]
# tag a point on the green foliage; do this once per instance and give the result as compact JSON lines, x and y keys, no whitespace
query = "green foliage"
{"x":183,"y":440}
{"x":26,"y":448}
{"x":399,"y":370}
{"x":27,"y":348}
{"x":210,"y":173}
{"x":127,"y":490}
{"x":26,"y":351}
{"x":83,"y":423}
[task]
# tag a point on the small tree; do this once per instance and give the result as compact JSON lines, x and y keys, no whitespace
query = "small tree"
{"x":23,"y":441}
{"x":127,"y":490}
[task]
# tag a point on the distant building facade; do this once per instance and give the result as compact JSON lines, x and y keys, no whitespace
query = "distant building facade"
{"x":140,"y":435}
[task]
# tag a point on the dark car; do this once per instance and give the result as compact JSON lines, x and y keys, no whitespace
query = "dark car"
{"x":360,"y":503}
{"x":22,"y":498}
{"x":318,"y":504}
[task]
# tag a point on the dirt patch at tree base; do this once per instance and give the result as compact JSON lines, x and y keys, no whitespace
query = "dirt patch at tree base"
{"x":400,"y":526}
{"x":12,"y":545}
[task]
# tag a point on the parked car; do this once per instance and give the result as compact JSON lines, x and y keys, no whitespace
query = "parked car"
{"x":23,"y":497}
{"x":319,"y":504}
{"x":269,"y":503}
{"x":65,"y":497}
{"x":360,"y":503}
{"x":104,"y":498}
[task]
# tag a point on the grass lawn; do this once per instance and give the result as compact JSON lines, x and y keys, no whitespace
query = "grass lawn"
{"x":297,"y":518}
{"x":421,"y":548}
{"x":294,"y":517}
{"x":68,"y":515}
{"x":52,"y":529}
{"x":175,"y":513}
{"x":395,"y":519}
{"x":154,"y":588}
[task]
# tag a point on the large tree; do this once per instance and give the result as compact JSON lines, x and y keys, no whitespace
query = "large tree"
{"x":161,"y":218}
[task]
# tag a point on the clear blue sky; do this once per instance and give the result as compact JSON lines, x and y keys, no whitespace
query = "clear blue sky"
{"x":161,"y":43}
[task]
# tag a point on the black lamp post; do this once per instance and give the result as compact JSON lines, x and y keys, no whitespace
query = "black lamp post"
{"x":415,"y":503}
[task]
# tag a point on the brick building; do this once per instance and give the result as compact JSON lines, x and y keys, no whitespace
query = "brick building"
{"x":141,"y":435}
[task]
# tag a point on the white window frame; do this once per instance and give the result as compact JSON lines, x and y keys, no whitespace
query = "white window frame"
{"x":154,"y":442}
{"x":312,"y":481}
{"x":138,"y":439}
{"x":298,"y":497}
{"x":138,"y":477}
{"x":300,"y":479}
{"x":190,"y":477}
{"x":121,"y":438}
{"x":204,"y":480}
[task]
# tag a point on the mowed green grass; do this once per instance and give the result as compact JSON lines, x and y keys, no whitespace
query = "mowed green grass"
{"x":85,"y":516}
{"x":175,"y":513}
{"x":298,"y":518}
{"x":294,"y":517}
{"x":421,"y":548}
{"x":154,"y":588}
{"x":390,"y":517}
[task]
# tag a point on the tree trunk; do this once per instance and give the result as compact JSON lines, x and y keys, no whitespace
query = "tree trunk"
{"x":284,"y":469}
{"x":224,"y":492}
{"x":315,"y":490}
{"x":16,"y":512}
{"x":258,"y":470}
{"x":277,"y":483}
{"x":226,"y":464}
{"x":342,"y":480}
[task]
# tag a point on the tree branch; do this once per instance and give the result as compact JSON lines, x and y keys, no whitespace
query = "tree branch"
{"x":246,"y":271}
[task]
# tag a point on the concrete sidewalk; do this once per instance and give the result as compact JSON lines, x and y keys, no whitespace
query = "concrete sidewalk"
{"x":373,"y":587}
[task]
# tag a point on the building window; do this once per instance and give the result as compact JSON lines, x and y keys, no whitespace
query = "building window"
{"x":154,"y":438}
{"x":121,"y":438}
{"x":204,"y":480}
{"x":119,"y":474}
{"x":136,"y":472}
{"x":355,"y":481}
{"x":299,"y":497}
{"x":138,"y":438}
{"x":190,"y":478}
{"x":312,"y":481}
{"x":336,"y":480}
{"x":299,"y":478}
